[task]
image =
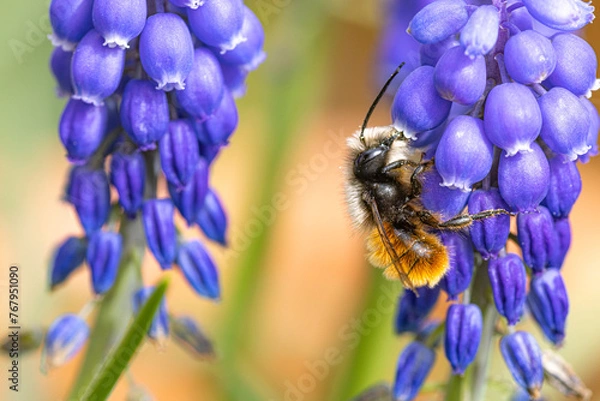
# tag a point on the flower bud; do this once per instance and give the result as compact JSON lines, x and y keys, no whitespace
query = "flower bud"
{"x":68,"y":257}
{"x":562,"y":228}
{"x":144,"y":113}
{"x":460,"y":78}
{"x":212,"y":218}
{"x":512,"y":118}
{"x":166,"y":50}
{"x":565,"y":187}
{"x":464,"y":155}
{"x":508,"y":279}
{"x":103,"y":257}
{"x":119,"y":21}
{"x":199,"y":269}
{"x":489,"y":236}
{"x":70,"y":20}
{"x":64,"y":339}
{"x":209,"y":152}
{"x":523,"y":358}
{"x":537,"y":238}
{"x":190,"y":200}
{"x":480,"y":33}
{"x":89,"y":192}
{"x":82,"y":128}
{"x":438,"y":20}
{"x":60,"y":64}
{"x":204,"y":85}
{"x":463,"y":334}
{"x":234,"y":78}
{"x":529,"y":57}
{"x":521,"y":18}
{"x":566,"y":123}
{"x":193,"y":4}
{"x":159,"y":329}
{"x":592,"y":136}
{"x":414,"y":364}
{"x":96,"y":70}
{"x":462,"y":264}
{"x":179,"y":154}
{"x":523,"y":179}
{"x":440,"y":199}
{"x":417,"y":105}
{"x":413,"y":309}
{"x":218,"y":128}
{"x":249,"y":53}
{"x":218,"y":23}
{"x":564,"y":15}
{"x":128,"y":176}
{"x":576,"y":64}
{"x":190,"y":336}
{"x":549,"y":304}
{"x":157,"y":215}
{"x":431,"y":53}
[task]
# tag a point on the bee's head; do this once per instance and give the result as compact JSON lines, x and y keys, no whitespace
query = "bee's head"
{"x":370,"y":162}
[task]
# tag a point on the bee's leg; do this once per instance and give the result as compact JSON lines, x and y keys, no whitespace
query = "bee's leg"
{"x":414,"y":181}
{"x":465,"y":220}
{"x":398,"y":164}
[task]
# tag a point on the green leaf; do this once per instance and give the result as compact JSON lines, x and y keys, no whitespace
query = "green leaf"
{"x":106,"y":378}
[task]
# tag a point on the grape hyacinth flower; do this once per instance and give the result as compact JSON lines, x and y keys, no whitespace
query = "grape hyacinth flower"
{"x":414,"y":308}
{"x":499,"y":104}
{"x":153,"y":89}
{"x":414,"y":364}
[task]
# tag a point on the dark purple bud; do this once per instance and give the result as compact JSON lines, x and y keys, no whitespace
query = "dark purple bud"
{"x":443,"y":200}
{"x":566,"y":123}
{"x":128,"y":176}
{"x":417,"y":105}
{"x":480,"y":34}
{"x":413,"y":309}
{"x":462,"y":264}
{"x":463,"y":334}
{"x":576,"y":64}
{"x":179,"y":154}
{"x":523,"y":358}
{"x":562,"y":228}
{"x":414,"y":364}
{"x":82,"y":128}
{"x":60,"y":64}
{"x":103,"y":257}
{"x":190,"y":200}
{"x":431,"y":53}
{"x":119,"y":21}
{"x":565,"y":187}
{"x":569,"y":15}
{"x":64,"y":339}
{"x":188,"y":334}
{"x":209,"y":152}
{"x":218,"y":128}
{"x":68,"y":257}
{"x":524,"y":179}
{"x":89,"y":192}
{"x":549,"y":304}
{"x":512,"y":118}
{"x":508,"y":280}
{"x":96,"y":70}
{"x":212,"y":218}
{"x":193,"y":4}
{"x":167,"y":51}
{"x":234,"y":78}
{"x":438,"y":20}
{"x":70,"y":20}
{"x":464,"y":155}
{"x":592,"y":136}
{"x":489,"y":236}
{"x":204,"y":86}
{"x":537,"y":238}
{"x":249,"y":53}
{"x":144,"y":113}
{"x":429,"y":140}
{"x":199,"y":269}
{"x":529,"y":57}
{"x":219,"y":23}
{"x":460,"y":78}
{"x":157,"y":215}
{"x":159,"y":329}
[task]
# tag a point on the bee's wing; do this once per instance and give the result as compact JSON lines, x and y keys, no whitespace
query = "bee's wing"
{"x":388,"y":244}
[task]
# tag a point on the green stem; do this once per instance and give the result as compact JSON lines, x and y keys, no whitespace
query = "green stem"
{"x":458,"y":386}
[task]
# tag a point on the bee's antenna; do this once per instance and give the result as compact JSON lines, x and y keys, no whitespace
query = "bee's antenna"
{"x":376,"y":101}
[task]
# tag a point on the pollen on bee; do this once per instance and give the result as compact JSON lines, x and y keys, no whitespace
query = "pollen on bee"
{"x":424,"y":259}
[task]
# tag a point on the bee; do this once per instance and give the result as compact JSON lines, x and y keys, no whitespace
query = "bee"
{"x":383,"y":189}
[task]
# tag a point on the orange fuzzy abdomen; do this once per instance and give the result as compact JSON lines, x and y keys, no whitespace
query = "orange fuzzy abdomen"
{"x":423,"y":258}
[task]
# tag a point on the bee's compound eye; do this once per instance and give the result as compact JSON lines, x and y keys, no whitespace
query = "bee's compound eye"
{"x":365,"y":162}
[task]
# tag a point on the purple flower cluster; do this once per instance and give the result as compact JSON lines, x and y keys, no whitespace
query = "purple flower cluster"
{"x":151,"y":88}
{"x":499,"y":101}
